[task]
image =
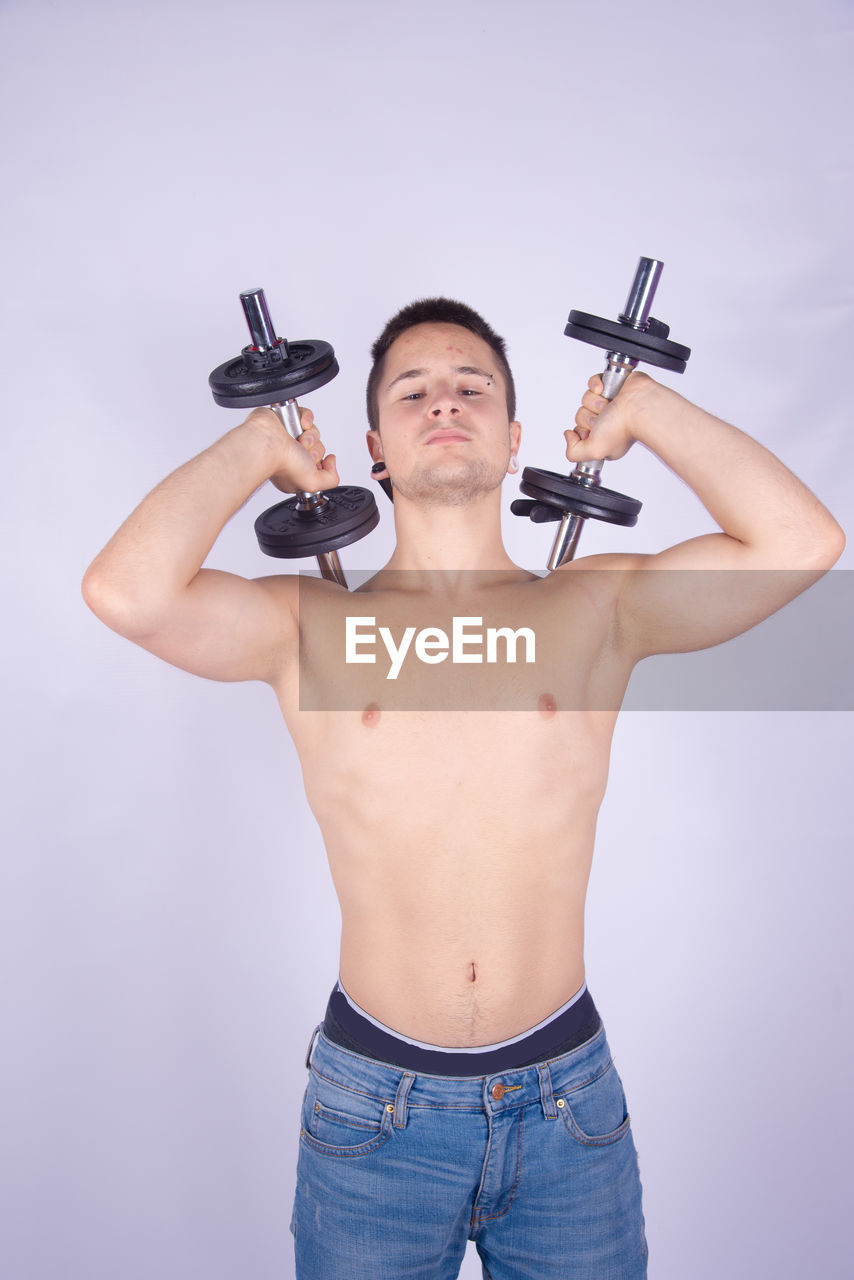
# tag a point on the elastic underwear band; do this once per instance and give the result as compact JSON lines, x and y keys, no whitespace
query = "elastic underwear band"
{"x":350,"y":1027}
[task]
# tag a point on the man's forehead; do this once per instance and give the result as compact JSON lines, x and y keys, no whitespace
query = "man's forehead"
{"x":424,"y":343}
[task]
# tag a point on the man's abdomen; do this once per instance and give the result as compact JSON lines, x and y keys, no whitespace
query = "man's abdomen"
{"x":467,"y":954}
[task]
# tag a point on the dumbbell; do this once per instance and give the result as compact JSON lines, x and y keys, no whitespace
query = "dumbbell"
{"x":634,"y":338}
{"x":274,"y":372}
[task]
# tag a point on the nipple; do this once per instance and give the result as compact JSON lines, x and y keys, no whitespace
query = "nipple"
{"x":546,"y":705}
{"x":371,"y":715}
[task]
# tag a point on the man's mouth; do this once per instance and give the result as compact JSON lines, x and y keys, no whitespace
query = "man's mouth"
{"x":446,"y":437}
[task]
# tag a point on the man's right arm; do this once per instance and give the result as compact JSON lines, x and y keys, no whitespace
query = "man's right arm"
{"x":148,"y":584}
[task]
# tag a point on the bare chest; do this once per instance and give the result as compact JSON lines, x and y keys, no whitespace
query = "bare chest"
{"x":529,"y":648}
{"x":441,"y":701}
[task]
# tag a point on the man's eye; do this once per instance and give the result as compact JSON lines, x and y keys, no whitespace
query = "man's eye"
{"x":414,"y":395}
{"x":469,"y":391}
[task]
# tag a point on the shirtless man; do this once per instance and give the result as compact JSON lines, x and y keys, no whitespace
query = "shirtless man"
{"x":461,"y":1084}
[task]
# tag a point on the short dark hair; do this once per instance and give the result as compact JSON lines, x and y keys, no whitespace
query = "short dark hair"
{"x":435,"y":311}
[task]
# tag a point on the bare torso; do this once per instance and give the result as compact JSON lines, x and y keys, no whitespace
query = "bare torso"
{"x":460,"y":839}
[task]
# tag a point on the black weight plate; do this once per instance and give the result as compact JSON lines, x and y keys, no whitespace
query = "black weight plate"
{"x":586,"y":506}
{"x":310,"y":364}
{"x":613,"y":336}
{"x":348,"y":515}
{"x":644,"y":337}
{"x":626,"y":348}
{"x":552,"y":487}
{"x":594,"y":502}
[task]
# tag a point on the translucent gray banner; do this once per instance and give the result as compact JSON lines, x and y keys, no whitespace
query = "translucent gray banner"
{"x":580,"y":639}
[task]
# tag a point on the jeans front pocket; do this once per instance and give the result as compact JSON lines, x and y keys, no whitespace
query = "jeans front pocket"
{"x":342,"y":1121}
{"x":595,"y":1112}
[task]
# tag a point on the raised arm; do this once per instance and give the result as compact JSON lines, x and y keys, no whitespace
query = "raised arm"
{"x":771,"y":524}
{"x":148,"y":584}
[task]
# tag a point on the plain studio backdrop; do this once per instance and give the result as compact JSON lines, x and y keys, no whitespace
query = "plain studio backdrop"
{"x":169,"y":931}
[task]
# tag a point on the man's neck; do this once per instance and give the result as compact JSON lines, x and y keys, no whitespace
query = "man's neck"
{"x":449,"y":538}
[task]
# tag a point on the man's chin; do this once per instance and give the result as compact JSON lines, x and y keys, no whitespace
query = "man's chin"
{"x":450,"y":486}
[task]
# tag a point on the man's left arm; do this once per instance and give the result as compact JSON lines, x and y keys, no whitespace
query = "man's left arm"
{"x":771,"y":524}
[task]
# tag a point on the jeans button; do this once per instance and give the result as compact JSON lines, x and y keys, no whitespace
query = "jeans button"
{"x":498,"y":1092}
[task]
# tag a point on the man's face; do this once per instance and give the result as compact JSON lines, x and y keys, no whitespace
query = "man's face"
{"x":444,"y":431}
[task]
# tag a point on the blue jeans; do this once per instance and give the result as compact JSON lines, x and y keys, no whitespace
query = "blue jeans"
{"x":397,"y":1170}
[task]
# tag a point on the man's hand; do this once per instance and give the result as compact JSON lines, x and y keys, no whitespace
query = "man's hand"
{"x":603,"y":428}
{"x":304,"y":466}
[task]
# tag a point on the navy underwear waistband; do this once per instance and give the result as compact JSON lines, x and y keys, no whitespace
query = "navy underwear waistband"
{"x":351,"y":1028}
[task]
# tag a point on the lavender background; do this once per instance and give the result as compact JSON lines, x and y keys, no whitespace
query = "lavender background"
{"x":168,"y":927}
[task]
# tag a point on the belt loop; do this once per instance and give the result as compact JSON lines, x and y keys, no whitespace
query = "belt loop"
{"x":407,"y":1080}
{"x":546,"y":1092}
{"x":311,"y":1044}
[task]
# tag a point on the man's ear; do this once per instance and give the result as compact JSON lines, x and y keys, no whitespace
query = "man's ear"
{"x":379,"y":471}
{"x":515,"y":441}
{"x":375,"y":449}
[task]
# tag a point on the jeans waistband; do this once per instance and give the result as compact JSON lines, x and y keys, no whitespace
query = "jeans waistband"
{"x":402,"y":1089}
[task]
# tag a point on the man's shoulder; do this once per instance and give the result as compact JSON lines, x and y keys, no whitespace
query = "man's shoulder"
{"x":603,"y":575}
{"x":290,"y":588}
{"x":605,"y":562}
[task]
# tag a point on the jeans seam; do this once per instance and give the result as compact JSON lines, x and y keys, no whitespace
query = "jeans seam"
{"x":582,"y":1084}
{"x":359,"y":1093}
{"x":606,"y":1139}
{"x":511,"y":1194}
{"x":347,"y":1121}
{"x":473,"y":1109}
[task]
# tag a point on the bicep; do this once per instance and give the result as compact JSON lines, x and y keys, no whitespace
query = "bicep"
{"x":225,"y":627}
{"x":701,"y":593}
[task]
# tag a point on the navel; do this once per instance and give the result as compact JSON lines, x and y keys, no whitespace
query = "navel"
{"x":547,"y":705}
{"x":371,"y":715}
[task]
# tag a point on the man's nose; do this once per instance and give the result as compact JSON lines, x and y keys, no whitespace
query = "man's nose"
{"x":445,"y":401}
